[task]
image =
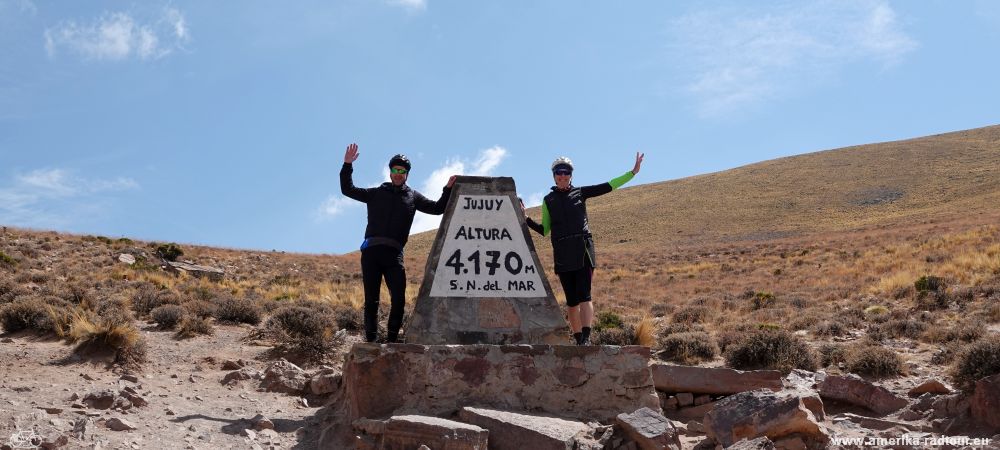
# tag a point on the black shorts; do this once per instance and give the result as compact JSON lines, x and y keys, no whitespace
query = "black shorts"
{"x":576,"y":285}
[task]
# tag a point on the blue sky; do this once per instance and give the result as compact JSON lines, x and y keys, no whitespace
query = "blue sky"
{"x":224,"y":123}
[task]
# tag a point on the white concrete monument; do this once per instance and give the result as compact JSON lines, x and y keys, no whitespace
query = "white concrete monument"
{"x":483,"y":283}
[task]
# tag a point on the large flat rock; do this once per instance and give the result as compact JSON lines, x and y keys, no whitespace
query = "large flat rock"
{"x":713,"y":380}
{"x":514,"y":431}
{"x":591,"y":382}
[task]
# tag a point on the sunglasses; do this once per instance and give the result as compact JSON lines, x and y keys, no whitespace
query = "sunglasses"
{"x":562,"y":172}
{"x":398,"y":171}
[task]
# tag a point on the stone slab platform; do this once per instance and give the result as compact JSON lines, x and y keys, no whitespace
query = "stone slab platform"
{"x":586,"y":382}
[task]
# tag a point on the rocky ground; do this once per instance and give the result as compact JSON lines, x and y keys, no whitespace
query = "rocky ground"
{"x":177,"y":401}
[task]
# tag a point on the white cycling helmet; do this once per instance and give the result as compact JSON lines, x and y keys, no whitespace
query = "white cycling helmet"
{"x":562,"y":162}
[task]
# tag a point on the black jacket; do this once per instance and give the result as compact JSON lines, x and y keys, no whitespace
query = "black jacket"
{"x":572,"y":244}
{"x":390,"y":208}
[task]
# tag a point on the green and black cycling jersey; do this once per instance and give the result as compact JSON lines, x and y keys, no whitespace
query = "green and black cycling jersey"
{"x":564,"y":219}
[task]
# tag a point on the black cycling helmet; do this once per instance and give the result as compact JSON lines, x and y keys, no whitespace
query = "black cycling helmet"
{"x":400,"y":160}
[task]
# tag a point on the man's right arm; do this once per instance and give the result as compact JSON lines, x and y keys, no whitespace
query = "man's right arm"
{"x":348,"y":188}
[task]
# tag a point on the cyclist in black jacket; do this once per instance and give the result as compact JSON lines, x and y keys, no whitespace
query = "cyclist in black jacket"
{"x":564,"y":217}
{"x":391,"y":207}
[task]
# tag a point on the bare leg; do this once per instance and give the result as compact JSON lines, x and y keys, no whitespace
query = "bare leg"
{"x":574,"y":318}
{"x":586,"y":311}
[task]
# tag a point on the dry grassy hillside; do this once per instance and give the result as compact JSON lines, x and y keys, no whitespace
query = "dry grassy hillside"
{"x":833,"y":190}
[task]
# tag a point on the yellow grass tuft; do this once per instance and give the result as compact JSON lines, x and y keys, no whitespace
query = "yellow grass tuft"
{"x":645,"y":332}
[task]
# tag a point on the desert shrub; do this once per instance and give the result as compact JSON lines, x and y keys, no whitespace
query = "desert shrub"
{"x":200,"y":308}
{"x":304,"y":330}
{"x":114,"y":311}
{"x":688,"y":347}
{"x":672,"y":328}
{"x":966,"y":331}
{"x":805,"y":321}
{"x":148,"y":297}
{"x":832,"y":354}
{"x":929,"y":283}
{"x":876,"y":310}
{"x":346,"y":317}
{"x":237,"y":310}
{"x":169,"y":252}
{"x":7,"y":261}
{"x":977,"y":360}
{"x":25,"y":314}
{"x":874,"y":361}
{"x":168,"y":316}
{"x":732,"y":335}
{"x":761,"y":300}
{"x":95,"y":334}
{"x":660,"y":309}
{"x":623,"y":335}
{"x":193,"y":326}
{"x":770,"y":349}
{"x":829,"y":328}
{"x":961,"y":294}
{"x":908,"y":328}
{"x":945,"y":354}
{"x":931,"y":300}
{"x":692,"y":314}
{"x":876,"y":332}
{"x":608,"y":319}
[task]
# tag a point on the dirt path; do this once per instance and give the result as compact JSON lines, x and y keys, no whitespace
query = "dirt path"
{"x":188,"y":407}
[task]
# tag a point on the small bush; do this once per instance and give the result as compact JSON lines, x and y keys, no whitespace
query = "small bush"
{"x":769,"y":349}
{"x":932,"y":300}
{"x":829,"y":328}
{"x":168,"y":316}
{"x":37,"y":314}
{"x":660,"y":309}
{"x":7,"y":261}
{"x":169,"y":252}
{"x":200,"y":308}
{"x":692,"y":314}
{"x":908,"y":328}
{"x":965,"y":332}
{"x":148,"y":297}
{"x":832,"y":354}
{"x":607,"y":320}
{"x":874,"y":361}
{"x":876,"y":310}
{"x":346,"y":317}
{"x":623,"y":335}
{"x":762,"y":300}
{"x":929,"y":283}
{"x":114,"y":311}
{"x":193,"y":326}
{"x":976,"y":361}
{"x":688,"y":348}
{"x":236,"y":310}
{"x":304,"y":330}
{"x":94,"y":334}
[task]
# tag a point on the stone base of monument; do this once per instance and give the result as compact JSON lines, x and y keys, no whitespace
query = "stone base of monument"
{"x":590,"y":382}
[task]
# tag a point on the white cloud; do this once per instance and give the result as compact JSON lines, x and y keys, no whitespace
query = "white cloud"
{"x":739,"y":57}
{"x":412,"y":5}
{"x":483,"y":165}
{"x":334,"y":205}
{"x":51,"y":198}
{"x":118,"y":36}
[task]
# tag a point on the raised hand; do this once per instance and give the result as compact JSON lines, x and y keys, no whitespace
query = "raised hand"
{"x":451,"y":181}
{"x":351,"y":154}
{"x":638,"y":162}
